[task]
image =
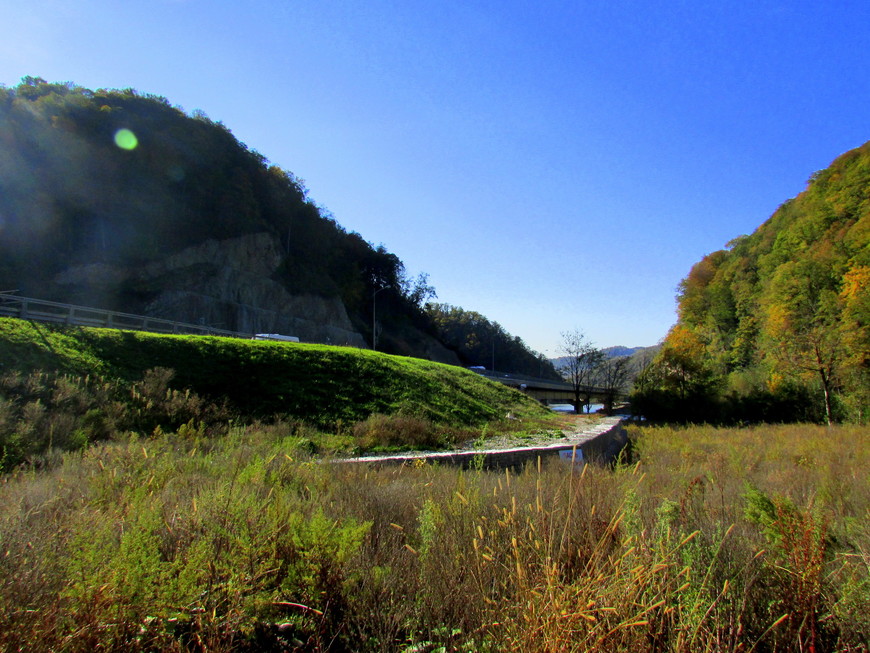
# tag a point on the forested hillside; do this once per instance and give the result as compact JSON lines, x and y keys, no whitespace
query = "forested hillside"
{"x":117,"y":199}
{"x":777,"y":325}
{"x":481,"y":342}
{"x":97,"y":185}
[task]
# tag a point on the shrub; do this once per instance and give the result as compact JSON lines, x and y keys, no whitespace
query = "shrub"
{"x":379,"y":432}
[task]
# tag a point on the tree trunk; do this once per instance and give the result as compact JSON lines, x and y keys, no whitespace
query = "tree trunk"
{"x":827,"y":391}
{"x":825,"y":375}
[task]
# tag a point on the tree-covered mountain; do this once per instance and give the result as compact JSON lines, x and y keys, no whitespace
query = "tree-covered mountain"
{"x":480,"y":342}
{"x":117,"y":199}
{"x":777,"y":325}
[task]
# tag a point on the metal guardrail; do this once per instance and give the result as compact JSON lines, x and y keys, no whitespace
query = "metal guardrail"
{"x":40,"y":310}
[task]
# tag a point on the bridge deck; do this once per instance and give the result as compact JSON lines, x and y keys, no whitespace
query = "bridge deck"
{"x":535,"y":385}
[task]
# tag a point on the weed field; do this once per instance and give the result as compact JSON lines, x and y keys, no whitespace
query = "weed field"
{"x":706,"y":539}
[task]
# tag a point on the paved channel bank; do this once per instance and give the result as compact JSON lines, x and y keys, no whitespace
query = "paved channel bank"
{"x":600,"y":442}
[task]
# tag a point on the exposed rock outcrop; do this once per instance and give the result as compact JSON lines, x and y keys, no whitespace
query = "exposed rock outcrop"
{"x":229,"y":284}
{"x":226,"y":284}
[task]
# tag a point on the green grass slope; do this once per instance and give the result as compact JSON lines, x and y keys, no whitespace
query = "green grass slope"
{"x":319,"y":384}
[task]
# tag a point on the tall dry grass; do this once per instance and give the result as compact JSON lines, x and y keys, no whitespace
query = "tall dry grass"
{"x":709,"y":540}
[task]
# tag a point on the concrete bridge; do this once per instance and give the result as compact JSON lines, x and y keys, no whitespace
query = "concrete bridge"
{"x":544,"y":390}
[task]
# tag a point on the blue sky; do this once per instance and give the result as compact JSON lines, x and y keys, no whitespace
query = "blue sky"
{"x":553,"y":165}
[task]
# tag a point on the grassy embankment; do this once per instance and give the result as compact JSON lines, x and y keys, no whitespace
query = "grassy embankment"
{"x":714,"y":540}
{"x":63,"y":388}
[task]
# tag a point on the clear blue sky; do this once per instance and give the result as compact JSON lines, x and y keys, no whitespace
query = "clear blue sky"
{"x":550,"y":164}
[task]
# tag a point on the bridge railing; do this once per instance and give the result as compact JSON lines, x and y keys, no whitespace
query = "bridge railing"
{"x":530,"y":381}
{"x":40,"y":310}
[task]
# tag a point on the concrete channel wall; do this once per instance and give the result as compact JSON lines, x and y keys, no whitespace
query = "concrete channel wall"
{"x":601,"y":447}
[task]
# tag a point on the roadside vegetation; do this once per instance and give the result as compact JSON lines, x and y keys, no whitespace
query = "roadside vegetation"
{"x":706,"y":540}
{"x":65,"y":388}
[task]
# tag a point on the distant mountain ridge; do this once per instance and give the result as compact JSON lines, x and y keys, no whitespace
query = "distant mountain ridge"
{"x":615,"y":351}
{"x":619,"y":350}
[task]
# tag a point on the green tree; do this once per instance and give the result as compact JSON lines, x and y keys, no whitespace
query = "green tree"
{"x":803,"y":326}
{"x":419,"y":291}
{"x":679,"y":385}
{"x":855,"y":297}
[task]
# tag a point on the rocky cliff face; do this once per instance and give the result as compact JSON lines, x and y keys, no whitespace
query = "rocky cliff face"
{"x":226,"y":284}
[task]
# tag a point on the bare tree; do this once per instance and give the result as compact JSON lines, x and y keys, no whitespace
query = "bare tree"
{"x":613,"y":375}
{"x":640,"y":367}
{"x":580,"y":361}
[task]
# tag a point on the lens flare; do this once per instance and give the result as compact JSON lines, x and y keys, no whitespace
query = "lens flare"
{"x":126,"y":140}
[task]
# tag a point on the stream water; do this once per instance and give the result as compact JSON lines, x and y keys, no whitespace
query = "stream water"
{"x":568,"y":408}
